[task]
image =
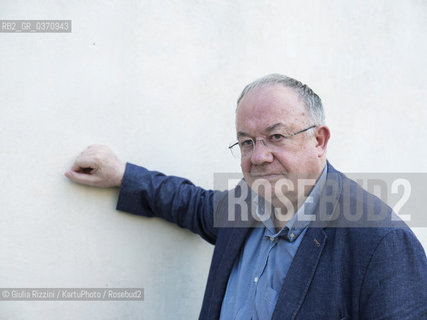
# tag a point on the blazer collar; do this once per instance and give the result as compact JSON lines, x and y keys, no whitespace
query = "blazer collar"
{"x":306,"y":260}
{"x":300,"y":274}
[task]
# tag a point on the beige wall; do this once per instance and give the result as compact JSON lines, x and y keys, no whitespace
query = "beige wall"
{"x":157,"y":81}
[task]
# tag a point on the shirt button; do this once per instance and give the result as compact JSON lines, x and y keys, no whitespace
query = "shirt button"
{"x":292,"y":235}
{"x":256,"y":279}
{"x":271,"y":239}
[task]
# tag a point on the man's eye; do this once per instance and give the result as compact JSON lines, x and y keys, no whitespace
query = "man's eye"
{"x":246,"y":143}
{"x":277,"y":137}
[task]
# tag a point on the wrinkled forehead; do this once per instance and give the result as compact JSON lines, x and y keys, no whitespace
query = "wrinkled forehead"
{"x":265,"y":106}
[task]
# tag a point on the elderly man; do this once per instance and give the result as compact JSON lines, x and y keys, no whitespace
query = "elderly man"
{"x":279,"y":264}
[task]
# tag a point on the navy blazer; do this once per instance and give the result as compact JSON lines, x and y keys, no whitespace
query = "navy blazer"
{"x":343,"y":269}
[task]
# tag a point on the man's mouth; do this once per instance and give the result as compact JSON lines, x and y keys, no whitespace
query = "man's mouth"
{"x":267,"y":175}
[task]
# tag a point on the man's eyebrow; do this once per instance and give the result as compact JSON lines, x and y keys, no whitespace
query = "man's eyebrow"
{"x":267,"y":130}
{"x":242,"y":134}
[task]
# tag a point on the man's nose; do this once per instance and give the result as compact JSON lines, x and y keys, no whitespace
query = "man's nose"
{"x":261,"y":153}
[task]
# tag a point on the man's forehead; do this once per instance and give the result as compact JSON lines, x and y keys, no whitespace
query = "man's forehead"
{"x":265,"y":108}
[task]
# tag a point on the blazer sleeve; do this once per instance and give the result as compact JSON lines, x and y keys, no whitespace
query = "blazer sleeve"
{"x":395,"y":284}
{"x":151,"y":193}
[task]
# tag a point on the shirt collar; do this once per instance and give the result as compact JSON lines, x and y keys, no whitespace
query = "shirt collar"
{"x":300,"y":220}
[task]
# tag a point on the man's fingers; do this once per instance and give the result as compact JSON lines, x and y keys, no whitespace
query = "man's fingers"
{"x":82,"y":178}
{"x":82,"y":163}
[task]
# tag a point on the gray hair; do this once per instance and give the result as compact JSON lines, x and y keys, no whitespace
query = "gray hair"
{"x":311,"y":100}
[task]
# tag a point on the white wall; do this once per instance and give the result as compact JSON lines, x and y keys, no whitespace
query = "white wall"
{"x":157,"y":81}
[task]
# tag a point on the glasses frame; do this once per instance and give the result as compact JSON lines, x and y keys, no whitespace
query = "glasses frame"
{"x":265,"y":144}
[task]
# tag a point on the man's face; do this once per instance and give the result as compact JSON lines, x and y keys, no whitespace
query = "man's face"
{"x":280,"y":108}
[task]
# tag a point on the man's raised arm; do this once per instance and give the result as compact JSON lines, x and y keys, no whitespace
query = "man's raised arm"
{"x":148,"y":193}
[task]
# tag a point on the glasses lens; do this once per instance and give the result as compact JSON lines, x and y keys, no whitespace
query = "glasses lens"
{"x":235,"y":151}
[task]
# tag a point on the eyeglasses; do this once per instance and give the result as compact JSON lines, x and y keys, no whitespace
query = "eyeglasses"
{"x":275,"y":141}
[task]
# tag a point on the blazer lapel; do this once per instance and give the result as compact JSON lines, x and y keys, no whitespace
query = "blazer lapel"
{"x":229,"y":255}
{"x":300,"y":274}
{"x":306,"y":260}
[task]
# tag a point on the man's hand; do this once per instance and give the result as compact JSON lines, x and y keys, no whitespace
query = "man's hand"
{"x":97,"y":166}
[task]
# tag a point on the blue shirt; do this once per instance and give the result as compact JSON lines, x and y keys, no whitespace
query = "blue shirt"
{"x":258,"y":275}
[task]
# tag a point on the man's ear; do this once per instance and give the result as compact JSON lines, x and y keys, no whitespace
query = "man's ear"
{"x":322,"y":135}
